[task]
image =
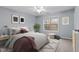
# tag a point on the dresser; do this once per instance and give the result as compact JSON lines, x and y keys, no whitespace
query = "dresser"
{"x":75,"y":41}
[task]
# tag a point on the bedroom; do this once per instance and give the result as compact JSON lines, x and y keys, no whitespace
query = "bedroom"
{"x":23,"y":18}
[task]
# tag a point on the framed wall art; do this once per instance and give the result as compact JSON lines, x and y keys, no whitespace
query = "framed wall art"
{"x":15,"y":19}
{"x":22,"y":20}
{"x":65,"y":20}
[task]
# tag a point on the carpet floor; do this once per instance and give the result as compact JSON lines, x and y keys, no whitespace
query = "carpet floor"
{"x":62,"y":45}
{"x":65,"y":46}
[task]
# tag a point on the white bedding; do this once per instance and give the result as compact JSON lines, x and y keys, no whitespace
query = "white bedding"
{"x":40,"y":39}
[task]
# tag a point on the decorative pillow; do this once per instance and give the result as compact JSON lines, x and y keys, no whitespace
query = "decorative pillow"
{"x":77,"y":30}
{"x":23,"y":30}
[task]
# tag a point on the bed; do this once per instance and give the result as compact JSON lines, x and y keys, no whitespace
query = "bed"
{"x":39,"y":39}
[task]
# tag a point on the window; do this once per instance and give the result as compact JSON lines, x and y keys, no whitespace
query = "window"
{"x":51,"y":24}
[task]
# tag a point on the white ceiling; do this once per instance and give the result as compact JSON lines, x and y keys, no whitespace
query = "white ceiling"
{"x":49,"y":9}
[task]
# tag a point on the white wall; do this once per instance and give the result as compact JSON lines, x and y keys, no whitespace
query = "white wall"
{"x":76,"y":18}
{"x":65,"y":31}
{"x":5,"y":18}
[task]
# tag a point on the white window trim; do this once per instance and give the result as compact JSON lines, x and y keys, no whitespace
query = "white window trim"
{"x":51,"y":30}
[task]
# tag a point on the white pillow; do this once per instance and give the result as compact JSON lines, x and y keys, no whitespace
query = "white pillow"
{"x":14,"y":30}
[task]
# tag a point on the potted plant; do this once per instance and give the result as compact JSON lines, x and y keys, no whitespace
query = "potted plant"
{"x":36,"y":27}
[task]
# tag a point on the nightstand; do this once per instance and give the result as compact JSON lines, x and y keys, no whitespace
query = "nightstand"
{"x":3,"y":39}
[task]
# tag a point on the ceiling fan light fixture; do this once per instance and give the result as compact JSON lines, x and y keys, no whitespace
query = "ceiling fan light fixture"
{"x":39,"y":9}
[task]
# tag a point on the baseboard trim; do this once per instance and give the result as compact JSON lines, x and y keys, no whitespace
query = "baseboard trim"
{"x":67,"y":38}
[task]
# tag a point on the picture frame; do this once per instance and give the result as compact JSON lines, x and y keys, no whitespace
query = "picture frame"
{"x":15,"y":19}
{"x":65,"y":20}
{"x":22,"y":20}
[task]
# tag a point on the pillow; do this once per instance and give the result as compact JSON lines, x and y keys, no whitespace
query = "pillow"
{"x":18,"y":30}
{"x":77,"y":30}
{"x":23,"y":30}
{"x":4,"y":31}
{"x":14,"y":30}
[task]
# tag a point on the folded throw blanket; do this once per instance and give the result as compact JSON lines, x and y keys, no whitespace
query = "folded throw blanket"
{"x":24,"y":44}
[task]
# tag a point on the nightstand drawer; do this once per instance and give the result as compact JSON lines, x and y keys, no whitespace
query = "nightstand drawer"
{"x":2,"y":42}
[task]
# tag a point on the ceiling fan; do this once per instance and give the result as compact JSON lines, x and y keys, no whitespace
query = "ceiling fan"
{"x":39,"y":9}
